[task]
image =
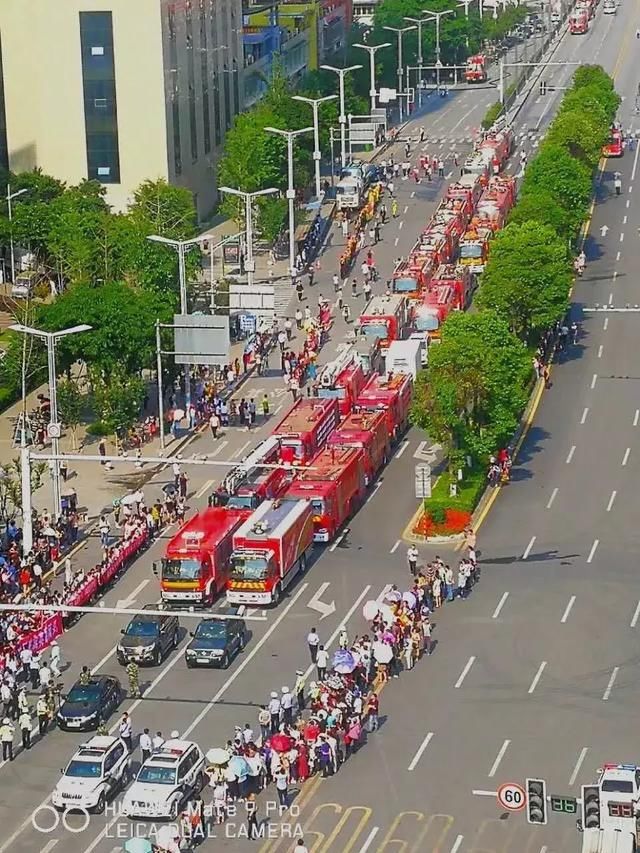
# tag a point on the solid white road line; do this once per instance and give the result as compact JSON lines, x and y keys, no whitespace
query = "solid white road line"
{"x":220,"y":446}
{"x":205,"y":488}
{"x":571,"y":452}
{"x":50,"y":845}
{"x":482,"y":793}
{"x":594,"y":547}
{"x":395,"y":547}
{"x":338,"y":541}
{"x":578,"y":765}
{"x":584,"y":415}
{"x":383,"y":592}
{"x":552,"y":498}
{"x":402,"y":449}
{"x":636,"y":417}
{"x":635,"y":166}
{"x":237,"y":453}
{"x":636,"y":616}
{"x":527,"y":550}
{"x":611,"y":500}
{"x":612,"y":679}
{"x":369,"y":840}
{"x":600,"y":348}
{"x":499,"y":757}
{"x":568,"y":609}
{"x":416,"y":758}
{"x":374,"y":491}
{"x":500,"y":605}
{"x":605,"y":325}
{"x":457,"y":844}
{"x":537,"y":676}
{"x":595,"y":376}
{"x":625,"y":458}
{"x":463,"y":674}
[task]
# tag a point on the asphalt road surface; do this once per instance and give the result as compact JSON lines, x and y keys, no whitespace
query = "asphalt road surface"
{"x":533,"y":675}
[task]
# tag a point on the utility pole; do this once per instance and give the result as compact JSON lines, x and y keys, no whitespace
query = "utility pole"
{"x":9,"y":197}
{"x":436,"y":16}
{"x":317,"y":156}
{"x":400,"y":31}
{"x":341,"y":72}
{"x":248,"y":198}
{"x":372,"y":49}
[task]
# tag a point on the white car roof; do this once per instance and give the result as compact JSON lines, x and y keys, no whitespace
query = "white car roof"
{"x":171,"y":752}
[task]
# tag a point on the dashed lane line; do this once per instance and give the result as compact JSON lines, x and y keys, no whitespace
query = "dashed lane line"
{"x":636,"y":616}
{"x":578,"y":765}
{"x":537,"y":677}
{"x":568,"y":610}
{"x":499,"y":757}
{"x":416,"y":758}
{"x":571,"y":452}
{"x":611,"y":500}
{"x":612,"y":681}
{"x":593,"y":550}
{"x":625,"y":458}
{"x":527,"y":550}
{"x":500,"y":605}
{"x":464,"y":672}
{"x":584,"y":416}
{"x":554,"y":494}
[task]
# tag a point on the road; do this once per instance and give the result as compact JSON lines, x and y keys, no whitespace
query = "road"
{"x":431,"y":805}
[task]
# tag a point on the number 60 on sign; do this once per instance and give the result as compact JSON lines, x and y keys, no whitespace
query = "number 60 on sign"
{"x":512,"y":797}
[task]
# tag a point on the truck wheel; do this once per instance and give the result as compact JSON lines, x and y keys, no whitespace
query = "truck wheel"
{"x":277,"y":595}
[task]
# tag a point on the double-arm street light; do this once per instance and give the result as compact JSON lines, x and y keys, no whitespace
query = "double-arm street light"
{"x":9,"y":197}
{"x":341,"y":72}
{"x":290,"y":135}
{"x":436,"y":16}
{"x":315,"y":105}
{"x":248,"y":218}
{"x":181,"y":246}
{"x":50,"y":338}
{"x":400,"y":31}
{"x":372,"y":48}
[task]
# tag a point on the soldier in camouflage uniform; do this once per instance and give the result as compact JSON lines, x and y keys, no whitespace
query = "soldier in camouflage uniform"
{"x":85,"y":675}
{"x":133,"y":673}
{"x":102,"y":728}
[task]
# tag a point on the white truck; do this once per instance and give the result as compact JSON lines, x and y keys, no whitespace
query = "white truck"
{"x":406,"y":356}
{"x":610,"y":811}
{"x":355,"y":180}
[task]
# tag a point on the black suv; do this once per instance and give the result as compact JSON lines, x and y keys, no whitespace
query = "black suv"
{"x":85,"y":706}
{"x":148,"y":639}
{"x":215,"y":642}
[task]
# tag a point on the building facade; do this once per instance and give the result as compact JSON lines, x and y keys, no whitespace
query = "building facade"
{"x":122,"y":91}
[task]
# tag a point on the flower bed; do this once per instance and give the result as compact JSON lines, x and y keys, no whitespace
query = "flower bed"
{"x":443,"y":515}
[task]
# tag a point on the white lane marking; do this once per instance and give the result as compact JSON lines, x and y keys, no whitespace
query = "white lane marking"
{"x":338,"y":541}
{"x":395,"y":547}
{"x":624,"y":220}
{"x":457,"y":844}
{"x":584,"y":416}
{"x":571,"y":452}
{"x":635,"y":165}
{"x":594,"y":380}
{"x":612,"y":679}
{"x":578,"y":765}
{"x":625,"y":458}
{"x":205,"y":488}
{"x":617,"y":256}
{"x":568,"y":609}
{"x":464,"y":672}
{"x":50,"y":845}
{"x":416,"y":758}
{"x":383,"y":592}
{"x":600,"y":348}
{"x":500,"y":605}
{"x":628,"y":203}
{"x":237,"y":453}
{"x":220,"y":446}
{"x":615,"y":276}
{"x":636,"y":417}
{"x":552,"y":498}
{"x":499,"y":757}
{"x":611,"y":500}
{"x":636,"y":616}
{"x":527,"y":550}
{"x":402,"y":449}
{"x":374,"y":491}
{"x":596,"y":542}
{"x":622,"y":237}
{"x":413,"y":194}
{"x":396,"y":241}
{"x":537,"y":676}
{"x":400,"y":225}
{"x":482,"y":793}
{"x":369,"y":840}
{"x":610,"y":303}
{"x":605,"y":325}
{"x":446,"y":177}
{"x":406,"y":208}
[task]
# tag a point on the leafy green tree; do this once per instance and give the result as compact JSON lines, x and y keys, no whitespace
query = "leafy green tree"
{"x":117,"y":401}
{"x":566,"y":178}
{"x":528,"y":278}
{"x":594,"y":77}
{"x":580,"y":133}
{"x":76,"y":219}
{"x":542,"y":205}
{"x":167,"y":209}
{"x":11,"y":487}
{"x":71,"y":403}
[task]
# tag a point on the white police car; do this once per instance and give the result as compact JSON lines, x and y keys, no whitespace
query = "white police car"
{"x":165,"y":781}
{"x":98,"y":770}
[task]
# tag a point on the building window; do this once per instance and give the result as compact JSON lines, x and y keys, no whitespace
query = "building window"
{"x":100,"y":107}
{"x":4,"y":146}
{"x":204,"y":74}
{"x":193,"y":124}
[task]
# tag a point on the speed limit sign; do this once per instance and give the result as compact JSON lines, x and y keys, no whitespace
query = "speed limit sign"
{"x":512,"y":797}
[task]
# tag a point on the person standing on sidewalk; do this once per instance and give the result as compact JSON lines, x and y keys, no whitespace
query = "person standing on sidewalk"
{"x":313,"y":641}
{"x":412,"y":559}
{"x":322,"y":661}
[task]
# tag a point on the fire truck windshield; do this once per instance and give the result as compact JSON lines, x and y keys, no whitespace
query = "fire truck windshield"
{"x":375,"y":330}
{"x":181,"y":570}
{"x":241,"y":502}
{"x":426,"y":322}
{"x":404,"y":285}
{"x":470,"y":250}
{"x":332,"y":393}
{"x":318,"y":507}
{"x":249,"y":568}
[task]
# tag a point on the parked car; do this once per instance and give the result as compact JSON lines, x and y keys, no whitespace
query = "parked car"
{"x":148,"y":638}
{"x":85,"y":706}
{"x":216,"y":642}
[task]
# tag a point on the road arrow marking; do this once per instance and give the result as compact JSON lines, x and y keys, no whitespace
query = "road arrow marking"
{"x":320,"y":606}
{"x":125,"y":603}
{"x":427,"y":454}
{"x":603,"y":230}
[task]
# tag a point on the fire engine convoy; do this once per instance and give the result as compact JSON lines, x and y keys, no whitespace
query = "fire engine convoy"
{"x":476,"y":69}
{"x":610,"y":811}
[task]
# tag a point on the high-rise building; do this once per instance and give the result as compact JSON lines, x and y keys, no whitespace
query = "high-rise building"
{"x":120,"y":91}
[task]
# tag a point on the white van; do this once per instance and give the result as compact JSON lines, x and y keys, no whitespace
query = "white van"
{"x":405,"y":357}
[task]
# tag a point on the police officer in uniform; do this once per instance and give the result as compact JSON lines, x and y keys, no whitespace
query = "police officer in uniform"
{"x":133,"y":673}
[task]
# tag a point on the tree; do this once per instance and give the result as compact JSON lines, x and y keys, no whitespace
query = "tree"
{"x":166,"y":209}
{"x":580,"y":133}
{"x":594,"y":77}
{"x":541,"y":205}
{"x":70,"y":406}
{"x":118,"y":401}
{"x":567,"y":179}
{"x":11,"y":487}
{"x":527,"y":279}
{"x":76,"y":219}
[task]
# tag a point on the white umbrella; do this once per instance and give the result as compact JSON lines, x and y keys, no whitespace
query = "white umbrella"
{"x":387,"y":613}
{"x":178,"y":414}
{"x":168,"y":838}
{"x":382,"y":652}
{"x":370,"y":610}
{"x":49,"y":531}
{"x":217,"y":756}
{"x":393,"y":595}
{"x":127,"y":500}
{"x":410,"y":599}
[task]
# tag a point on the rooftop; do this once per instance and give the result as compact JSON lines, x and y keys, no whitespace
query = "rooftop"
{"x":304,"y":415}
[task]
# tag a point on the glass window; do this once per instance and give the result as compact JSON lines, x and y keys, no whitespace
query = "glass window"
{"x":211,"y":631}
{"x":140,"y":628}
{"x":156,"y":775}
{"x":84,"y":770}
{"x":204,"y":79}
{"x":90,"y":694}
{"x":193,"y":124}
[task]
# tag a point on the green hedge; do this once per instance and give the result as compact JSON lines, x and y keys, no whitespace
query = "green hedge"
{"x":469,"y":492}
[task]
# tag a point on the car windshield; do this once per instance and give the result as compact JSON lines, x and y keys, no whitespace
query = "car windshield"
{"x":617,"y":786}
{"x":426,"y":322}
{"x":317,"y":506}
{"x":211,"y":631}
{"x":84,"y":769}
{"x":181,"y":570}
{"x":156,"y":775}
{"x":332,"y":393}
{"x":241,"y":502}
{"x":88,"y":695}
{"x":404,"y":285}
{"x":140,"y":628}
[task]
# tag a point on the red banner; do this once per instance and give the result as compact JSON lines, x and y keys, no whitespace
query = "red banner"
{"x":43,"y":636}
{"x":122,"y":553}
{"x":84,"y":593}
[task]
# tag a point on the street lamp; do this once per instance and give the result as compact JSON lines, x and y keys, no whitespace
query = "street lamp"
{"x":9,"y":197}
{"x":467,"y":3}
{"x":343,"y":118}
{"x":372,"y":48}
{"x":248,"y":218}
{"x":400,"y":31}
{"x":290,"y":135}
{"x":181,"y":247}
{"x":435,"y":16}
{"x":419,"y":22}
{"x":315,"y":105}
{"x":50,"y":339}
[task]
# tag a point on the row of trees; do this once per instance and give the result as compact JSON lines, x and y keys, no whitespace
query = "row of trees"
{"x":472,"y":394}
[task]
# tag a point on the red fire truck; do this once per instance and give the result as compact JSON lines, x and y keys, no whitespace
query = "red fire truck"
{"x":579,"y":22}
{"x":392,"y":396}
{"x":305,"y":429}
{"x":269,"y":549}
{"x":495,"y":203}
{"x":195,"y":567}
{"x":342,"y":380}
{"x":436,"y":306}
{"x":386,"y":318}
{"x":461,"y":206}
{"x":368,"y":431}
{"x":335,"y":485}
{"x":247,"y":485}
{"x":452,"y":225}
{"x":474,"y":248}
{"x":496,"y":148}
{"x":476,"y":69}
{"x":412,"y":276}
{"x":614,"y":147}
{"x":468,"y":187}
{"x":460,"y":279}
{"x":441,"y":243}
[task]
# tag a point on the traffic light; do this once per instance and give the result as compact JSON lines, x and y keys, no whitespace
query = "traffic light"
{"x":590,"y":807}
{"x":543,"y":87}
{"x":536,"y":801}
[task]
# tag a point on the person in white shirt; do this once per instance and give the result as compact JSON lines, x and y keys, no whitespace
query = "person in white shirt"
{"x":25,"y":659}
{"x":300,"y":847}
{"x":146,"y":745}
{"x":322,"y":661}
{"x":6,"y":698}
{"x":45,"y":676}
{"x":274,"y":712}
{"x":55,"y":659}
{"x":412,"y":559}
{"x":286,"y":704}
{"x":313,"y":641}
{"x":157,"y":742}
{"x":125,"y":731}
{"x":247,"y":734}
